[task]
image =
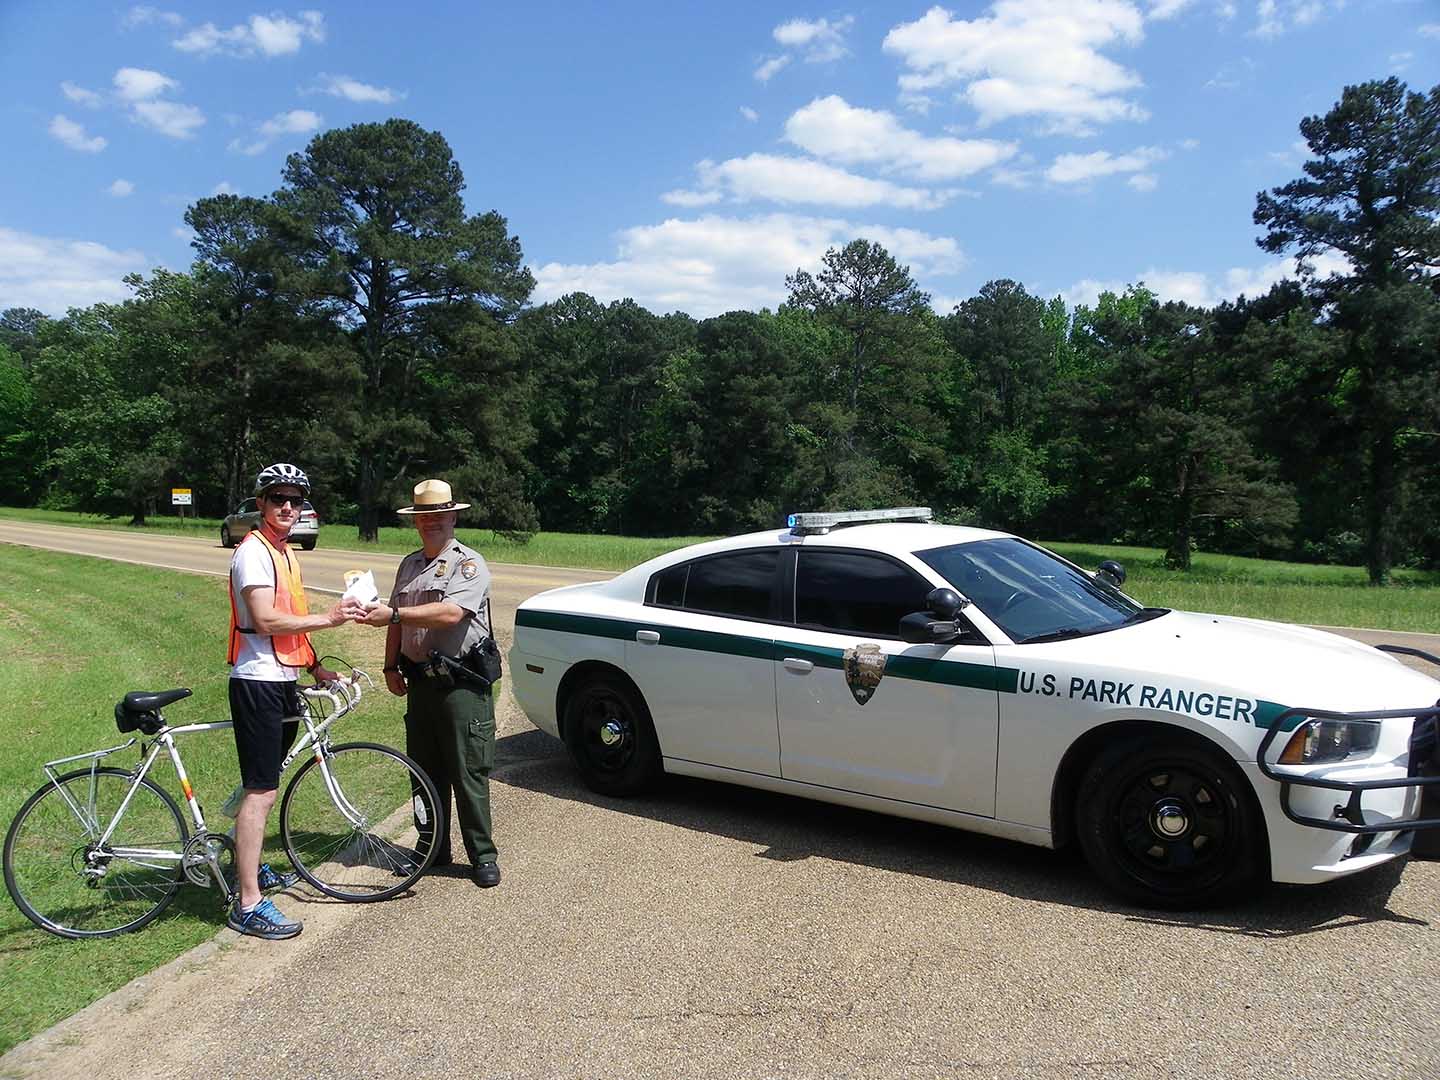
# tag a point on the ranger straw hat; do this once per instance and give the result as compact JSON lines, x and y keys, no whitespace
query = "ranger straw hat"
{"x":433,"y":497}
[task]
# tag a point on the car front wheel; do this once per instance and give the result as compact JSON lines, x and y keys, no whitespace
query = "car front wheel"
{"x":1168,"y":823}
{"x":609,"y":734}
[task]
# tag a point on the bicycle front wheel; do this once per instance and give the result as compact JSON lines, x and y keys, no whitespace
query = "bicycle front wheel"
{"x":65,"y":881}
{"x":359,"y":824}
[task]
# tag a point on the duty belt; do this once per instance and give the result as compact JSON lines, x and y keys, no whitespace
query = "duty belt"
{"x":424,"y":669}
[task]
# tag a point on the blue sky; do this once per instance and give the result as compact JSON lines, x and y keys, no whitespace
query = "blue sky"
{"x":691,"y":156}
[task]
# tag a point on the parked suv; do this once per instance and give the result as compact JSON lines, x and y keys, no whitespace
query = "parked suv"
{"x":247,"y":516}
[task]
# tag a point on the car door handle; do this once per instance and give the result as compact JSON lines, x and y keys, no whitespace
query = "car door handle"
{"x":647,"y":637}
{"x":800,"y":667}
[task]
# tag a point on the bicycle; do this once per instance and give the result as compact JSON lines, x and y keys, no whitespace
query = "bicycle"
{"x":100,"y":850}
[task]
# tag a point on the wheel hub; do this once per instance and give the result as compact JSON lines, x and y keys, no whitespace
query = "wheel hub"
{"x":611,"y":732}
{"x":1168,"y":820}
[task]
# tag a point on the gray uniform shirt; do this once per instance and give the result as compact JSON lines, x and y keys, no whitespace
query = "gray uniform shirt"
{"x":457,"y":576}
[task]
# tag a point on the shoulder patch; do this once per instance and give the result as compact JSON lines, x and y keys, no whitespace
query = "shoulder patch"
{"x":469,"y":569}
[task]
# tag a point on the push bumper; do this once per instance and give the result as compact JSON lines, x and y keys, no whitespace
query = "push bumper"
{"x":1350,"y":816}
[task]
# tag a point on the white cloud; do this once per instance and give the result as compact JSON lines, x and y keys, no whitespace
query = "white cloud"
{"x":829,"y":127}
{"x":1081,"y":168}
{"x":1232,"y":74}
{"x":713,"y":264}
{"x":1399,"y":61}
{"x":749,"y":113}
{"x":1291,"y":157}
{"x":820,"y":40}
{"x":168,"y":117}
{"x":78,"y":94}
{"x":141,"y":84}
{"x":343,"y":86}
{"x":223,"y":188}
{"x":777,"y":178}
{"x":55,"y":274}
{"x":1431,"y":30}
{"x":1202,"y":289}
{"x":143,"y":15}
{"x":294,"y":122}
{"x":73,"y":135}
{"x":770,"y":67}
{"x":1276,"y":17}
{"x":181,"y":232}
{"x":1143,"y":182}
{"x":121,"y":188}
{"x":1039,"y":58}
{"x":1167,"y":9}
{"x":267,"y":35}
{"x":1189,"y":144}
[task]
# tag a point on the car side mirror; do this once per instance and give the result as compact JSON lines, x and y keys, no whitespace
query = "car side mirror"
{"x":1112,"y":572}
{"x":944,"y":603}
{"x":922,"y":628}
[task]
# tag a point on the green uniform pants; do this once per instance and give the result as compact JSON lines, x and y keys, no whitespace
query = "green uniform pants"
{"x":450,"y":732}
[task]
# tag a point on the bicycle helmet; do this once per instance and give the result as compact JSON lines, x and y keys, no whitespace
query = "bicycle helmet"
{"x":282,"y":472}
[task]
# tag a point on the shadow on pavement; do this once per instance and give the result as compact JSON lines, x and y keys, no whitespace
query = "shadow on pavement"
{"x":791,"y":829}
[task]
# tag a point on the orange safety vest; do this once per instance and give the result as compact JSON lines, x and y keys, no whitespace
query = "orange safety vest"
{"x":293,"y":650}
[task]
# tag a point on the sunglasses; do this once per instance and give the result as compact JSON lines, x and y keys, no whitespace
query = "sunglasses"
{"x":297,"y":501}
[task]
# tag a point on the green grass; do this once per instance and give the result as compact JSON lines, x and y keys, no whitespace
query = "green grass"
{"x":1270,"y":589}
{"x":1225,"y":584}
{"x":587,"y":551}
{"x":76,"y":634}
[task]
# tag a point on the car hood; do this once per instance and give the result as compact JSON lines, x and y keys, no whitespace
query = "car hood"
{"x":1280,"y":662}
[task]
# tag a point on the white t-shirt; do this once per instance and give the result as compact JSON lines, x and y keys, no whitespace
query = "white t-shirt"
{"x":251,"y":565}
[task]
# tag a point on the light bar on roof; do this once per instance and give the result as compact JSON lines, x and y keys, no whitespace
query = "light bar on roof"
{"x":815,"y":523}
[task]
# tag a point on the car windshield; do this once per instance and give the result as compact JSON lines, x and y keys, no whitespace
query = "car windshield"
{"x":1031,"y":594}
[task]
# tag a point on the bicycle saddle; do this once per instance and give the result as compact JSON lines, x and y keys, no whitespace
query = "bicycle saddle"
{"x":142,"y":701}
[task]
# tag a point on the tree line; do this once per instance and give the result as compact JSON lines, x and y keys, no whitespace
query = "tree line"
{"x":358,"y":321}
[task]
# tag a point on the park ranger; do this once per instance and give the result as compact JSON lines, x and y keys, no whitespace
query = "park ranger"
{"x":441,"y":603}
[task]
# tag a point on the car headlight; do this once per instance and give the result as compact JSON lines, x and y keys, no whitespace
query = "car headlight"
{"x":1317,"y":741}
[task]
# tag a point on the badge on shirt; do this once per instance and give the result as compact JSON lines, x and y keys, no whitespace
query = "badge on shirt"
{"x":440,"y":568}
{"x":468,"y":569}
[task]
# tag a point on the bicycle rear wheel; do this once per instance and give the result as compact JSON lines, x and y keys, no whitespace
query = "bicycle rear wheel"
{"x":359,"y":825}
{"x":64,"y":882}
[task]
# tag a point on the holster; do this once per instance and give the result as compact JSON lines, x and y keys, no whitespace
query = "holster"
{"x":482,"y":661}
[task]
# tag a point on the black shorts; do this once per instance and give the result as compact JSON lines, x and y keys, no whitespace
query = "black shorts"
{"x":266,"y":717}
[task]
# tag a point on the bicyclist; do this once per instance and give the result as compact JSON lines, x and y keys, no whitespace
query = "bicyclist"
{"x":269,"y":648}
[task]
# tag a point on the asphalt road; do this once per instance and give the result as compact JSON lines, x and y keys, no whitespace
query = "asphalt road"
{"x":716,"y":932}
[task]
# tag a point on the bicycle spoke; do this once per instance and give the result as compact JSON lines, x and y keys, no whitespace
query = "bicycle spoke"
{"x":65,"y":883}
{"x":351,"y":827}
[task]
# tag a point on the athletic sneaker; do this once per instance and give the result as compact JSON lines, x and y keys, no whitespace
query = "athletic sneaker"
{"x":265,"y":921}
{"x":270,"y":879}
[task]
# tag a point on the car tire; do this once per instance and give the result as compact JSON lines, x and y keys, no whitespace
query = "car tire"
{"x":225,"y":540}
{"x":611,"y":738}
{"x":1168,"y":823}
{"x":307,"y":545}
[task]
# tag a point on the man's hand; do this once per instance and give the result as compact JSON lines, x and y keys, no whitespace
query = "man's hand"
{"x":345,"y":609}
{"x":375,"y":615}
{"x":322,"y":675}
{"x":396,"y":682}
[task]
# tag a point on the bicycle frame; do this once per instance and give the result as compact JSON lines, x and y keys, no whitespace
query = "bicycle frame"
{"x":341,"y":701}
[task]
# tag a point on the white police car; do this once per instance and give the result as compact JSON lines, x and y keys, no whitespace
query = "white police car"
{"x":971,"y":678}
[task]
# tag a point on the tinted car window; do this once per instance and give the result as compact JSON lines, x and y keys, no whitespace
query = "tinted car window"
{"x":859,"y":594}
{"x":667,"y":588}
{"x":737,"y":585}
{"x":247,"y":507}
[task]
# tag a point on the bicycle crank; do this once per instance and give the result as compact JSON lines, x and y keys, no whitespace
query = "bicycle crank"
{"x":210,"y":860}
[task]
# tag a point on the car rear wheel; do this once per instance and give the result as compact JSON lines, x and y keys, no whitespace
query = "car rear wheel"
{"x":307,"y":545}
{"x":1168,"y":823}
{"x":609,"y":734}
{"x":225,"y":538}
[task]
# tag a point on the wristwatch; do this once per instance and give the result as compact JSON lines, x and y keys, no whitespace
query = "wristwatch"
{"x":394,"y":616}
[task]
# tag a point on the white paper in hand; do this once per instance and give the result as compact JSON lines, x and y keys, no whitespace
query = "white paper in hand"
{"x":360,"y":585}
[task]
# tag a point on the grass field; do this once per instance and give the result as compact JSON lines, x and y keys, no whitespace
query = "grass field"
{"x":75,"y":635}
{"x":582,"y":550}
{"x":1227,"y":584}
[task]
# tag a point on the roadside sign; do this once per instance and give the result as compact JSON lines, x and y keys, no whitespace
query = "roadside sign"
{"x":180,"y":497}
